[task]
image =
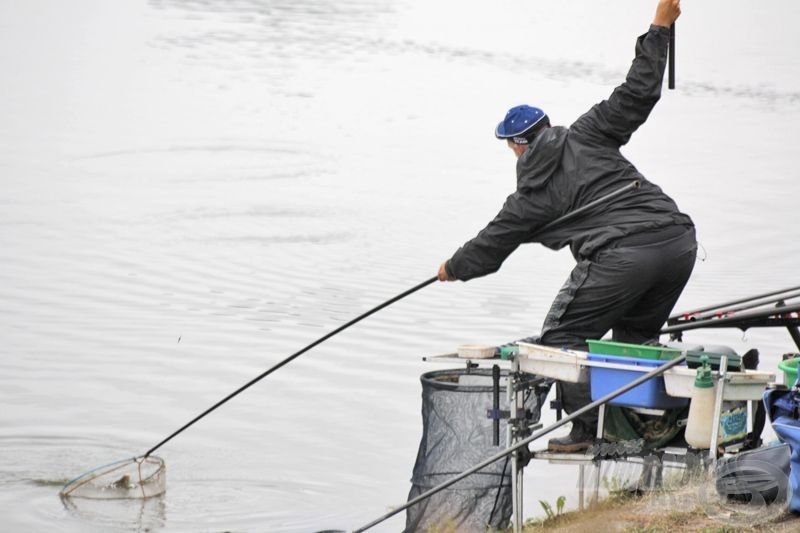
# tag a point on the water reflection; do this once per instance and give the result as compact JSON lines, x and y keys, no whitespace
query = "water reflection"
{"x":139,"y":515}
{"x":273,"y":31}
{"x":276,"y":35}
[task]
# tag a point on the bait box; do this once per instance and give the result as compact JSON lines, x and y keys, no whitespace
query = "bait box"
{"x":476,"y":351}
{"x":744,"y":385}
{"x":556,"y":363}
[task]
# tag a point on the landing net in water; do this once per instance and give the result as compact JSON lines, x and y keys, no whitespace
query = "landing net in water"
{"x":136,"y":478}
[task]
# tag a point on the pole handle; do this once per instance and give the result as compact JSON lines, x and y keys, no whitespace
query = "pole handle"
{"x":671,"y":57}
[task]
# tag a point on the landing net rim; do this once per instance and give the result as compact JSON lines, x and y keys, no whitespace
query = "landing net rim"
{"x":103,"y":470}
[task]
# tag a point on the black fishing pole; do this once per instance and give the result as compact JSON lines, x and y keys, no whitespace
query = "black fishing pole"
{"x":671,"y":58}
{"x":542,"y":432}
{"x":688,"y":314}
{"x":569,"y":216}
{"x":720,"y":312}
{"x":291,"y":358}
{"x":581,"y":210}
{"x":743,"y":320}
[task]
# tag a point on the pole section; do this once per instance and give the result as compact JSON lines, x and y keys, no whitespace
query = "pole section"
{"x":671,"y":78}
{"x":289,"y":359}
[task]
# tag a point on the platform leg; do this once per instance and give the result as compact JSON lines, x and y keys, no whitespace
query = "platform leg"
{"x":520,"y":489}
{"x":516,"y":473}
{"x":601,"y":420}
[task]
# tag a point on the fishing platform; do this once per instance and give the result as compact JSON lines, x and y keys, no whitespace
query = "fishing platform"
{"x":525,"y":370}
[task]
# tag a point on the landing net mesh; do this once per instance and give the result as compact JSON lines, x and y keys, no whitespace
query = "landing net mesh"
{"x":135,"y":478}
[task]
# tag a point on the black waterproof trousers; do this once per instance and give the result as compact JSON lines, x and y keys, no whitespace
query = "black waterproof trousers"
{"x":628,"y":287}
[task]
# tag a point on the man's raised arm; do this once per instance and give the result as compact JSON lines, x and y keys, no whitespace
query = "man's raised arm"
{"x":613,"y":121}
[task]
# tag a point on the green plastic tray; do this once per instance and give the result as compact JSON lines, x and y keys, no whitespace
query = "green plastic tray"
{"x":631,"y":350}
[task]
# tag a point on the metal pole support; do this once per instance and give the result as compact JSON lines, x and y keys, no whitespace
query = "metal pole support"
{"x":513,"y":434}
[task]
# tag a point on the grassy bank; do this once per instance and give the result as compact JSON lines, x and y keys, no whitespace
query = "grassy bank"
{"x":684,"y":510}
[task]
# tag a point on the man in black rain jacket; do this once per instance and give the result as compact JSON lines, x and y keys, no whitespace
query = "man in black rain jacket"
{"x":634,"y":252}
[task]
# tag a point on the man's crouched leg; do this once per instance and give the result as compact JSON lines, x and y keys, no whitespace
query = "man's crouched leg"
{"x":584,"y":428}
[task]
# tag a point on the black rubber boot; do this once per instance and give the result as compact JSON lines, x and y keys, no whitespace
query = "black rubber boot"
{"x":578,"y":440}
{"x":574,"y":396}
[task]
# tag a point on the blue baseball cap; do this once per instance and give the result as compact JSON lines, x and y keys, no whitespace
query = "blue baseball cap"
{"x":521,"y":123}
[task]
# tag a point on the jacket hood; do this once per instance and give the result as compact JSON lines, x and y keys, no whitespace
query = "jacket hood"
{"x":538,"y":163}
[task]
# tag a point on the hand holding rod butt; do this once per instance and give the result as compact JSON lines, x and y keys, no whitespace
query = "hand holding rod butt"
{"x":667,"y":12}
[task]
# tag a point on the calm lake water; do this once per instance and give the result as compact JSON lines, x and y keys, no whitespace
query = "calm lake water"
{"x":193,"y":190}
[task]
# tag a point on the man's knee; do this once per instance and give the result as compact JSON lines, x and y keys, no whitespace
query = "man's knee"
{"x":565,"y":339}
